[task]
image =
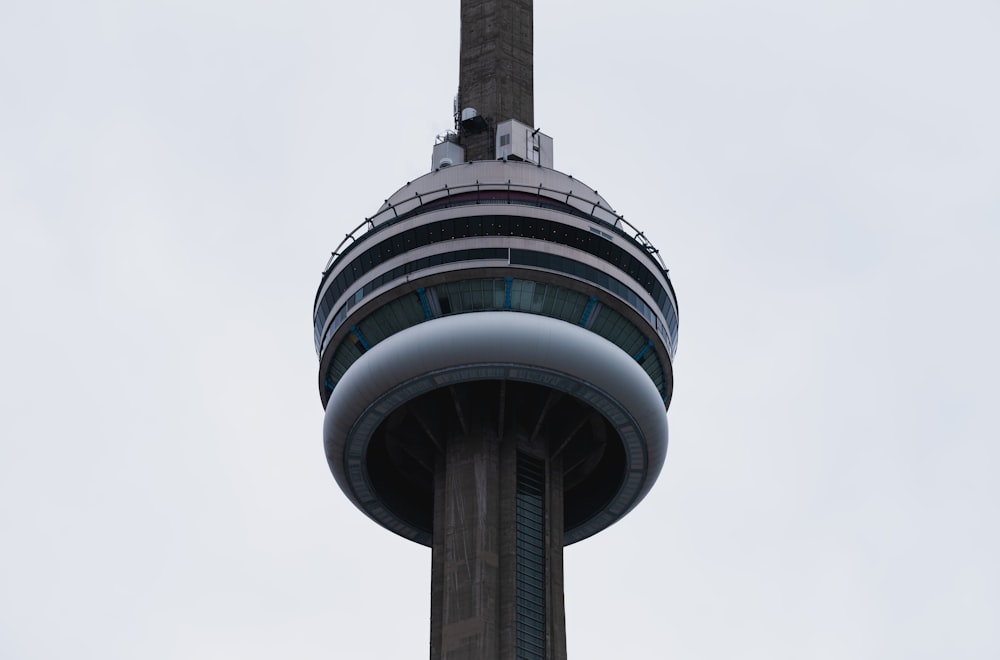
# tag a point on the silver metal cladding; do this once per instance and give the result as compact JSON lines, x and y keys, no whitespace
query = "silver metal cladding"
{"x":487,"y":345}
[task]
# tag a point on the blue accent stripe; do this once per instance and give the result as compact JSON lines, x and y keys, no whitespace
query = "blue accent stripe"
{"x":588,"y":311}
{"x":423,"y":303}
{"x":649,"y":345}
{"x":361,"y":340}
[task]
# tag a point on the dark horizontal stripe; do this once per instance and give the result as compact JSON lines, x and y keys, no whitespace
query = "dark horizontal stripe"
{"x":494,"y":225}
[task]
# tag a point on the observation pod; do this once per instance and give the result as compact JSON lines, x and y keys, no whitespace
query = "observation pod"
{"x":495,"y":351}
{"x":496,"y":304}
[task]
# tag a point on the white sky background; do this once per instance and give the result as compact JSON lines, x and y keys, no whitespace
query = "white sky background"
{"x":822,"y":179}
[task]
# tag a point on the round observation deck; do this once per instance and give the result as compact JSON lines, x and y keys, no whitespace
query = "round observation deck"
{"x":508,"y":297}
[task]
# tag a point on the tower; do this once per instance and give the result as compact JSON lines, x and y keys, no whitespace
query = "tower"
{"x":495,"y":350}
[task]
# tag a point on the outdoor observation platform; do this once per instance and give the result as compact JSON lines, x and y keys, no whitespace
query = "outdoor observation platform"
{"x":499,"y":294}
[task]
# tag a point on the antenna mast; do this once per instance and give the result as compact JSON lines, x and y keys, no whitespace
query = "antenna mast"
{"x":496,"y":78}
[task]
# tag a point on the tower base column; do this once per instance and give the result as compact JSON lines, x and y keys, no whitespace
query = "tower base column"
{"x":497,"y":573}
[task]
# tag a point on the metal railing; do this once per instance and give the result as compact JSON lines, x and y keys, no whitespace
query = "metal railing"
{"x":597,"y":212}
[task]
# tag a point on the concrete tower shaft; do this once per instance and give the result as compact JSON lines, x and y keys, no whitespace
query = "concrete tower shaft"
{"x":495,"y":70}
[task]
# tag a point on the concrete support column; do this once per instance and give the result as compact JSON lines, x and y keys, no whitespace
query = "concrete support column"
{"x":474,"y":575}
{"x":555,"y":630}
{"x":465,"y":562}
{"x":508,"y":550}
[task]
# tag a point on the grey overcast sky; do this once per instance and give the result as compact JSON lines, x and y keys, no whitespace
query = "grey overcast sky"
{"x":821,"y":178}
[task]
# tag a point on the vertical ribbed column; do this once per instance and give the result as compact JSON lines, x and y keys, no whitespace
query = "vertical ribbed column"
{"x":532,"y":555}
{"x":530,"y":587}
{"x":496,"y":74}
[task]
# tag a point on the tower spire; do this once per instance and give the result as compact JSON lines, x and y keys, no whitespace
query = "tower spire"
{"x":495,"y":71}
